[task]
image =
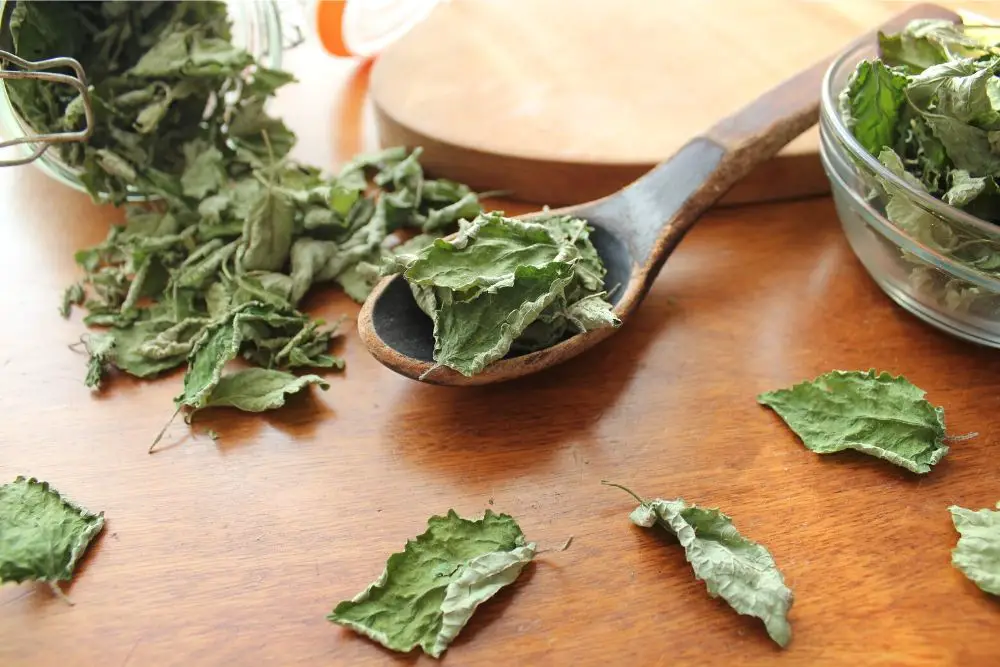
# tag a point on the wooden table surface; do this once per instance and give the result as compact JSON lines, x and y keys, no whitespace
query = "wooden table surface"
{"x":232,"y":552}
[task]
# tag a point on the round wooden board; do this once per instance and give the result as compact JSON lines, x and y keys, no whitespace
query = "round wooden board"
{"x":564,"y":101}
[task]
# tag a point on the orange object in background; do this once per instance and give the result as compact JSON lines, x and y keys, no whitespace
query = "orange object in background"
{"x":362,"y":28}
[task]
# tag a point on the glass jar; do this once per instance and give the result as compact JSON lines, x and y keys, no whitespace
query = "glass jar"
{"x":265,"y":29}
{"x":946,"y":268}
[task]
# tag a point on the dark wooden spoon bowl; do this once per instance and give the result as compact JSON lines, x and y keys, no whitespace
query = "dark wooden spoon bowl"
{"x":635,"y":229}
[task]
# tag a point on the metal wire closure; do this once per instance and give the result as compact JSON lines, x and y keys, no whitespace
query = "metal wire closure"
{"x":34,"y":70}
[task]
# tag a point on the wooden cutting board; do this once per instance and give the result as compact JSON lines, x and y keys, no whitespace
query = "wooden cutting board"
{"x":563,"y":101}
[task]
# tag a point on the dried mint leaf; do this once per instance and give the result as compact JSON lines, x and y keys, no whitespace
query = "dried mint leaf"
{"x":977,"y":553}
{"x":267,"y":236}
{"x":874,"y":413}
{"x":503,"y":283}
{"x":100,"y":351}
{"x":264,"y":334}
{"x":154,"y":69}
{"x":928,"y":42}
{"x":43,"y":535}
{"x":929,"y":109}
{"x":429,"y":591}
{"x":258,"y":389}
{"x":72,"y":296}
{"x":180,"y":117}
{"x":469,"y":335}
{"x":733,"y":567}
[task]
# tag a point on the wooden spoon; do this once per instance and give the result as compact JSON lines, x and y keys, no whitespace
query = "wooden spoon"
{"x":635,"y":229}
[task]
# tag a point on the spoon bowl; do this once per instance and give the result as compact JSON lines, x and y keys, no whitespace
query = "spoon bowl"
{"x":635,"y":229}
{"x":401,"y":336}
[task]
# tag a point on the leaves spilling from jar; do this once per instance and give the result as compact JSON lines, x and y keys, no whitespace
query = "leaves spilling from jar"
{"x":235,"y":233}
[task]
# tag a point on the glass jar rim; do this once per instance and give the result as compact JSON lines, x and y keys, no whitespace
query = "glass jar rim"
{"x":266,"y":18}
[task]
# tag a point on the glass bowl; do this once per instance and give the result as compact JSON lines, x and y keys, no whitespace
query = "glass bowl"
{"x":942,"y":272}
{"x":258,"y":27}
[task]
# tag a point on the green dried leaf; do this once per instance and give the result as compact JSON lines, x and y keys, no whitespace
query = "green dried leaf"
{"x":907,"y":214}
{"x":592,"y":312}
{"x":470,"y":335}
{"x":315,"y":261}
{"x":267,"y":235}
{"x":429,"y":591}
{"x":100,"y":350}
{"x":485,"y":254}
{"x":965,"y":90}
{"x":502,"y":283}
{"x":739,"y":570}
{"x":138,"y":353}
{"x":977,"y":553}
{"x":44,"y":534}
{"x":877,"y":414}
{"x":440,"y":219}
{"x":360,"y":279}
{"x":217,"y":346}
{"x":927,"y":42}
{"x":73,"y":296}
{"x":965,"y":188}
{"x":967,"y":146}
{"x":205,"y":171}
{"x":258,"y":389}
{"x":870,"y":105}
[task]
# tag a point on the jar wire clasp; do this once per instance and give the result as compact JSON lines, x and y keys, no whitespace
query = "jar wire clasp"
{"x":40,"y":143}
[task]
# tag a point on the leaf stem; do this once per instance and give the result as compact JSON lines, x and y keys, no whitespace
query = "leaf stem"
{"x":429,"y":371}
{"x":625,"y":489}
{"x":564,"y":547}
{"x":163,"y":430}
{"x":58,"y":592}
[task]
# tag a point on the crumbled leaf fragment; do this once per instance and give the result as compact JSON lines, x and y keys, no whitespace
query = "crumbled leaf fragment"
{"x":733,"y":567}
{"x":73,"y":296}
{"x":100,"y":351}
{"x":429,"y":591}
{"x":42,"y":534}
{"x":977,"y":553}
{"x":871,"y":412}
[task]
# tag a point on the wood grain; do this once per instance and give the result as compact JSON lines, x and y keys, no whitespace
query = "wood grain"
{"x":565,"y":106}
{"x":232,"y":552}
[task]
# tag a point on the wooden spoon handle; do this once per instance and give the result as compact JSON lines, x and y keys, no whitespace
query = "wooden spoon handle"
{"x":682,"y":188}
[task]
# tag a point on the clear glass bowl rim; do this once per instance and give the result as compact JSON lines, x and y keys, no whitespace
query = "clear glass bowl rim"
{"x":829,"y":109}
